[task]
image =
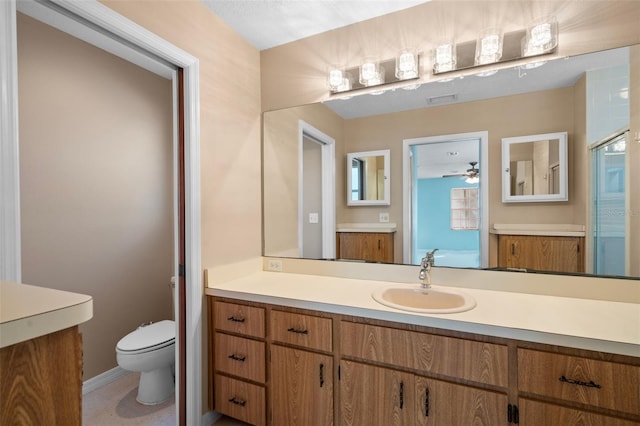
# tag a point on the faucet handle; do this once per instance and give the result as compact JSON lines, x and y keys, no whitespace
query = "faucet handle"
{"x":430,"y":256}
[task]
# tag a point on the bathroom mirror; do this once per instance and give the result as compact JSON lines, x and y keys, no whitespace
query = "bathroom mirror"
{"x":368,"y":178}
{"x":513,"y":102}
{"x":534,"y":168}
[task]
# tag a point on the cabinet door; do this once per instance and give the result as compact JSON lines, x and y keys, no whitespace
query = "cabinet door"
{"x":371,"y":396}
{"x":301,"y":387}
{"x":377,"y":247}
{"x":534,"y":413}
{"x":558,"y":254}
{"x":443,"y":403}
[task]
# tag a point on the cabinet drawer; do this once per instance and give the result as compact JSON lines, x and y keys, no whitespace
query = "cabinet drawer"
{"x":236,"y":318}
{"x":303,"y":330}
{"x":534,"y":413}
{"x":587,"y":381}
{"x":239,"y":356}
{"x":449,"y":356}
{"x":240,"y":400}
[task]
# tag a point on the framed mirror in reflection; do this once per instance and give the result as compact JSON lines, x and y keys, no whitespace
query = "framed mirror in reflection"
{"x":509,"y":103}
{"x":368,"y":178}
{"x":534,"y":168}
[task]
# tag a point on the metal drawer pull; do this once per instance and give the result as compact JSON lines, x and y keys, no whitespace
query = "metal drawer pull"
{"x":237,"y":357}
{"x":589,"y":384}
{"x":321,"y":375}
{"x":298,"y":331}
{"x":239,"y":402}
{"x":426,"y":402}
{"x":401,"y":395}
{"x":234,"y":319}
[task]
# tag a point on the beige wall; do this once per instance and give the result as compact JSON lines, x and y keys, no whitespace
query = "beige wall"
{"x":295,"y":73}
{"x":230,"y":135}
{"x":96,"y":183}
{"x":281,"y":171}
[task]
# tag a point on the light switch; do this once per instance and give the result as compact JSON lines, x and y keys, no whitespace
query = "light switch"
{"x":384,"y":217}
{"x":313,"y":217}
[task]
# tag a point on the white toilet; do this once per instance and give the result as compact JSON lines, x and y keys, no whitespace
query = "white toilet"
{"x":150,"y":349}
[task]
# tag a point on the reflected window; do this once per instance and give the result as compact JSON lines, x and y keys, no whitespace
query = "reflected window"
{"x":357,"y":179}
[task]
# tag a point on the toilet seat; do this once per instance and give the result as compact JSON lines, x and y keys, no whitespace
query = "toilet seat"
{"x":148,"y":338}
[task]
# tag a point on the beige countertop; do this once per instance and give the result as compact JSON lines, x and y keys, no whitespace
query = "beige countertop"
{"x":553,"y":230}
{"x":382,"y":227}
{"x":598,"y":325}
{"x":28,"y":311}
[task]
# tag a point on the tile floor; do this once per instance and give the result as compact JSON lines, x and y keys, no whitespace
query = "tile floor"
{"x":115,"y":405}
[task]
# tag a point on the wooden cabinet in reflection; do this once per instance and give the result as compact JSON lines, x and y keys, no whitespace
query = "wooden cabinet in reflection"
{"x":370,"y":246}
{"x":543,"y":253}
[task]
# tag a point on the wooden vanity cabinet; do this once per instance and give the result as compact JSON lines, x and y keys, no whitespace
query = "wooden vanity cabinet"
{"x":326,"y":369}
{"x":371,"y":246}
{"x":543,"y":253}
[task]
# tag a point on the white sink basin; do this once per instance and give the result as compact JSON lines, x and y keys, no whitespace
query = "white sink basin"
{"x":418,"y":299}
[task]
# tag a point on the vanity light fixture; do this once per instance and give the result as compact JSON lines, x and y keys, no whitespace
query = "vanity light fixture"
{"x":444,"y":57}
{"x":489,"y":47}
{"x":339,"y":80}
{"x":540,"y":38}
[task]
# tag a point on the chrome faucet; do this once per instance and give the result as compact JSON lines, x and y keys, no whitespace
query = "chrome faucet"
{"x":425,"y":268}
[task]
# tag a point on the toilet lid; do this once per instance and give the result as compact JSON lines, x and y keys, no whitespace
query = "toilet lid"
{"x":148,"y":336}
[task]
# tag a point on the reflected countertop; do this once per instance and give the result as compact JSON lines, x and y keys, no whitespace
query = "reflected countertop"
{"x":597,"y":325}
{"x":28,"y":311}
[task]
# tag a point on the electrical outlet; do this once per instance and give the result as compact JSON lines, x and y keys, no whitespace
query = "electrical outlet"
{"x":384,"y":217}
{"x":274,"y":265}
{"x":313,"y":217}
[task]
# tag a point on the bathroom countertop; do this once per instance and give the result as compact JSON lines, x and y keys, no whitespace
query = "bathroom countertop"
{"x":597,"y":325}
{"x":28,"y":311}
{"x":383,"y":227}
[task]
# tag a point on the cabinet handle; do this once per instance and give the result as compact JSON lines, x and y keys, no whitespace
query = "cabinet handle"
{"x":426,"y":402}
{"x":321,"y":375}
{"x":378,"y":244}
{"x":513,"y":415}
{"x":298,"y":331}
{"x":401,"y":395}
{"x":237,"y":357}
{"x":234,"y":319}
{"x":589,"y":384}
{"x":513,"y":249}
{"x":239,"y":402}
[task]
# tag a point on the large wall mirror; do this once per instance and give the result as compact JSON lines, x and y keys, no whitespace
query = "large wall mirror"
{"x":534,"y":168}
{"x":514,"y":101}
{"x":368,"y":180}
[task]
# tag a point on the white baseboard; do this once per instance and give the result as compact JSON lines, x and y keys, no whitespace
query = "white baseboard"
{"x":210,"y":417}
{"x":102,"y":379}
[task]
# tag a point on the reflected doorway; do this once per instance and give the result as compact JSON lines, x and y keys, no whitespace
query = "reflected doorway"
{"x":316,"y":194}
{"x":445,"y":201}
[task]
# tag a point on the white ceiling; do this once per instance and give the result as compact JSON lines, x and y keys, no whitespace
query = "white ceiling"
{"x":270,"y":23}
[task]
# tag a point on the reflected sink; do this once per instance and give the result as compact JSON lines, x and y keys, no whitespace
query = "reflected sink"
{"x":418,"y":299}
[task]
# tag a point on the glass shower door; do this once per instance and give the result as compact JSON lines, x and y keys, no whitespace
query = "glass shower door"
{"x":609,"y":209}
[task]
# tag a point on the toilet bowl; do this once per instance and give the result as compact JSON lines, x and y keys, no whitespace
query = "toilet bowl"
{"x":150,"y":350}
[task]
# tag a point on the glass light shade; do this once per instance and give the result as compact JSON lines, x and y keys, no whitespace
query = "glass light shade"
{"x":369,"y":70}
{"x":444,"y":57}
{"x":335,"y":78}
{"x":489,"y":47}
{"x":407,"y":65}
{"x":472,"y":179}
{"x":346,"y":83}
{"x":378,"y":78}
{"x":541,"y":37}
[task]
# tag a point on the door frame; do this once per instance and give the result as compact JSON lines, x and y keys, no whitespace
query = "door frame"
{"x":407,"y":191}
{"x":328,"y":189}
{"x":133,"y":43}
